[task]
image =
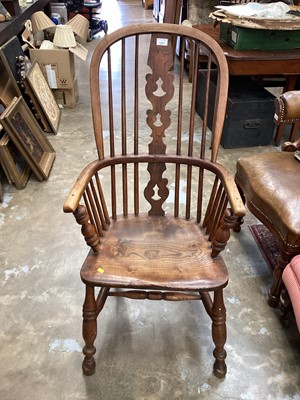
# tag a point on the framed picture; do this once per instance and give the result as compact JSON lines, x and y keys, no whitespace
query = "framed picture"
{"x":1,"y":190}
{"x":6,"y":172}
{"x":41,"y":95}
{"x":24,"y":64}
{"x":30,"y":140}
{"x":2,"y":108}
{"x":7,"y":88}
{"x":13,"y":163}
{"x":9,"y":52}
{"x":2,"y":164}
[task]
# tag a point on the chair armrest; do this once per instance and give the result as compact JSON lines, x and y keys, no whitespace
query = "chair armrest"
{"x":88,"y":215}
{"x":80,"y":185}
{"x":225,"y":204}
{"x":221,"y":172}
{"x":233,"y":194}
{"x":287,"y":107}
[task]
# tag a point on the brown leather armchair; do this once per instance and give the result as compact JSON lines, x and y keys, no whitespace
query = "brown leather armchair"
{"x":270,"y":186}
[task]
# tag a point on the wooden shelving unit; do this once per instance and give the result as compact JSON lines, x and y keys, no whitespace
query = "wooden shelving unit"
{"x":14,"y":27}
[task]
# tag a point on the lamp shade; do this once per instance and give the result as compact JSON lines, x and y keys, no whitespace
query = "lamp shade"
{"x":40,"y":21}
{"x":80,"y":26}
{"x":47,"y":45}
{"x":64,"y":37}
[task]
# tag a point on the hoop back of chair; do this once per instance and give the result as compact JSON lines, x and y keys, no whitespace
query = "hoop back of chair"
{"x":152,"y":69}
{"x":150,"y":109}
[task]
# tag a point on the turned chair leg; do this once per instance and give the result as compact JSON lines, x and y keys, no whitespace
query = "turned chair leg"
{"x":218,"y":316}
{"x":89,"y":331}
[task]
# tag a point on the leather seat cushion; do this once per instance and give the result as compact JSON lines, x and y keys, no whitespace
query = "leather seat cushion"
{"x":271,"y":182}
{"x":291,"y":280}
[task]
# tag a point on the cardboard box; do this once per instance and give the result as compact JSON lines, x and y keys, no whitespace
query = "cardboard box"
{"x":67,"y":97}
{"x":58,"y":66}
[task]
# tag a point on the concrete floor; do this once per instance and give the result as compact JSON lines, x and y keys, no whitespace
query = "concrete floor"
{"x":162,"y":351}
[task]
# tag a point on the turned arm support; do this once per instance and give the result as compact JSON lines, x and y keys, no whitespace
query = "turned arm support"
{"x":222,"y":234}
{"x":81,"y":214}
{"x":219,"y":234}
{"x":87,"y":229}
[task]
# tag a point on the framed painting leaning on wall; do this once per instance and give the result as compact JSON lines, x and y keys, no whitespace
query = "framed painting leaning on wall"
{"x":9,"y":52}
{"x":13,"y":163}
{"x":39,"y":91}
{"x":28,"y":137}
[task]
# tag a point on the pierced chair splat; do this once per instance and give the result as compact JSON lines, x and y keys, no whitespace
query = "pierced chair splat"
{"x":155,"y":210}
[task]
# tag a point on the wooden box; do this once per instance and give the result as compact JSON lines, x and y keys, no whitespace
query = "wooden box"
{"x":249,"y":113}
{"x":259,"y":39}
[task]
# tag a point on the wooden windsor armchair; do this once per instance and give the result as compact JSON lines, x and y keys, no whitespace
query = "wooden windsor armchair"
{"x":151,"y":147}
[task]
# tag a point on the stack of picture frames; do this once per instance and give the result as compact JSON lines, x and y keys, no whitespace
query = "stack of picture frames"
{"x":28,"y":110}
{"x":31,"y":143}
